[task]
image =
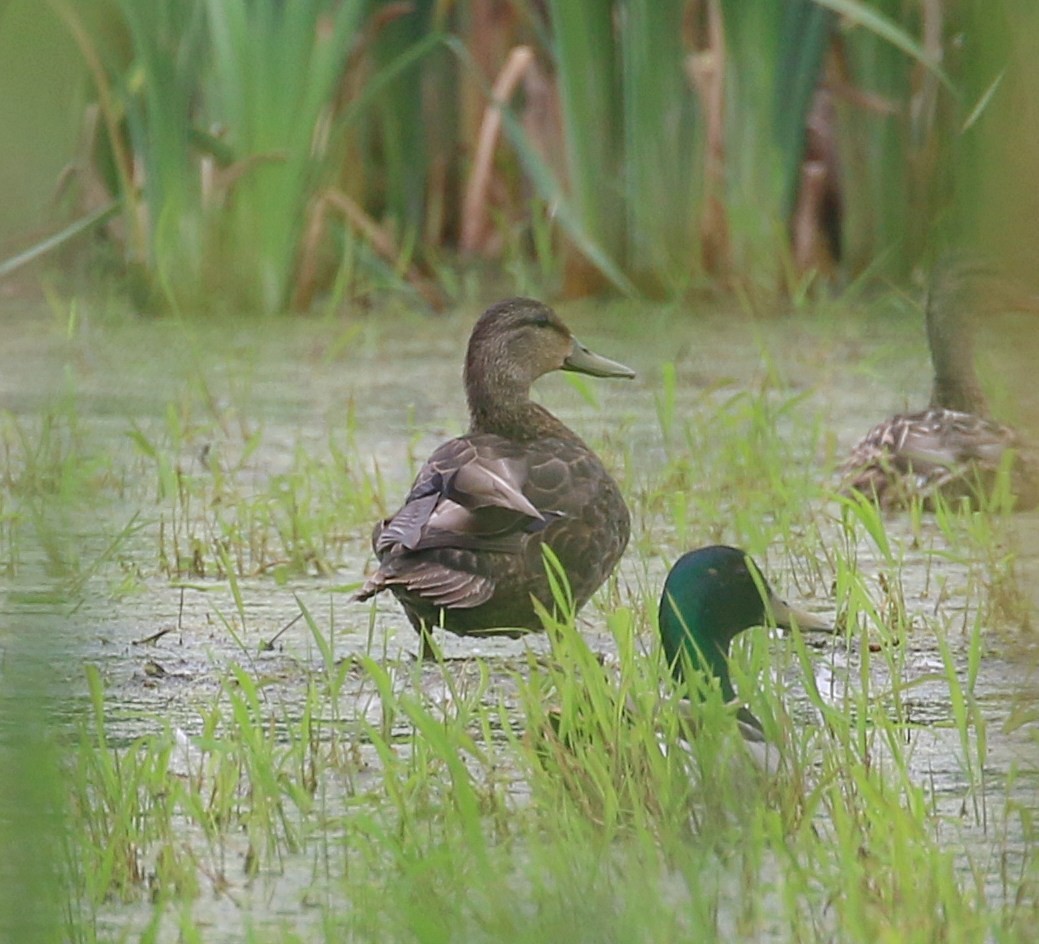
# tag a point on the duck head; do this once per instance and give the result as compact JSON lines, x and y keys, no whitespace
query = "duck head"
{"x":518,"y":340}
{"x":711,"y":596}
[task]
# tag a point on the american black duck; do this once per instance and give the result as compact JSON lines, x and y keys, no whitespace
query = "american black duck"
{"x":464,"y":551}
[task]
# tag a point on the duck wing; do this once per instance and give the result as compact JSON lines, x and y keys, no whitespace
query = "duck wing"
{"x":469,"y":494}
{"x":931,"y":439}
{"x":948,"y":438}
{"x":468,"y":497}
{"x":924,"y":452}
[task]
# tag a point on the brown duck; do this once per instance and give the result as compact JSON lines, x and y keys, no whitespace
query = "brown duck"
{"x":464,"y":551}
{"x":953,"y":448}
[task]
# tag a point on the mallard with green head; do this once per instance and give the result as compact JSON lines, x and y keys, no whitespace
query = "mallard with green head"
{"x":711,"y":595}
{"x":464,"y":551}
{"x":953,"y":448}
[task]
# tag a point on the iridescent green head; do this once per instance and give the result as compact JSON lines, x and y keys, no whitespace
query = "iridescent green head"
{"x":711,"y":596}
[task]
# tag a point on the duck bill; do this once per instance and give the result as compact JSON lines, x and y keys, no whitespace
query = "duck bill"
{"x":787,"y":616}
{"x":584,"y":361}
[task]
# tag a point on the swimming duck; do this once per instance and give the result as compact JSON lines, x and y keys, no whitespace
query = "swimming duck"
{"x":464,"y":551}
{"x":711,"y":595}
{"x":952,"y":448}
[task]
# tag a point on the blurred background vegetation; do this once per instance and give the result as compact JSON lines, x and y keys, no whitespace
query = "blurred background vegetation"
{"x":260,"y":155}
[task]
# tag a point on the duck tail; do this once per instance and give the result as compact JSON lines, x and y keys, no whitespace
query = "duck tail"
{"x":373,"y":585}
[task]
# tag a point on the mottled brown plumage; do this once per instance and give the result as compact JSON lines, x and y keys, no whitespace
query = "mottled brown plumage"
{"x":464,"y":551}
{"x":953,"y":448}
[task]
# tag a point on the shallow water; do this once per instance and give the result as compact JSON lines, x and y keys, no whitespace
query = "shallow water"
{"x":391,"y":391}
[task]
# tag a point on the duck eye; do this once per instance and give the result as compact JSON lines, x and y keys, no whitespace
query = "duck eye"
{"x":541,"y":319}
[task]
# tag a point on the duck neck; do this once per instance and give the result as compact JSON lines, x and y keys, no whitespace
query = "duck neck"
{"x":685,"y":641}
{"x":504,"y":407}
{"x":951,"y":340}
{"x":497,"y":411}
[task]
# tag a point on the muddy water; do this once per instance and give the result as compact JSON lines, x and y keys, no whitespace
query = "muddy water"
{"x":396,"y":386}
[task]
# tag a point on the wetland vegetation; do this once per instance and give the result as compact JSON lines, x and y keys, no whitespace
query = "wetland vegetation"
{"x":203,"y":738}
{"x":248,"y":754}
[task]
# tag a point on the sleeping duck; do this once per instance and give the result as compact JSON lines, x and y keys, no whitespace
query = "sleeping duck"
{"x":464,"y":551}
{"x":952,"y":448}
{"x":711,"y":595}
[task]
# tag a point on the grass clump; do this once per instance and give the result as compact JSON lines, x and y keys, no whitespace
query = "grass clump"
{"x":219,"y":513}
{"x":443,"y":801}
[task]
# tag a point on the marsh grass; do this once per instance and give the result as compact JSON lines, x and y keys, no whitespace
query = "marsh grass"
{"x":560,"y":801}
{"x":553,"y":794}
{"x":738,"y":471}
{"x":219,"y":515}
{"x":52,"y":479}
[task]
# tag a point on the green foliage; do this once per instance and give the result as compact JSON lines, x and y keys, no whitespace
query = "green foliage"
{"x":588,"y":80}
{"x":402,"y":115}
{"x":547,"y":803}
{"x":265,"y":152}
{"x":665,"y":174}
{"x":237,"y":119}
{"x":628,"y":112}
{"x":987,"y":129}
{"x":773,"y":63}
{"x":215,"y":521}
{"x":276,"y":68}
{"x":156,"y":95}
{"x":34,"y":814}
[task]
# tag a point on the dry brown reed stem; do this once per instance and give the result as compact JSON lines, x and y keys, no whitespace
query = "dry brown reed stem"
{"x":474,"y":206}
{"x":138,"y":244}
{"x":706,"y":71}
{"x":377,"y":236}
